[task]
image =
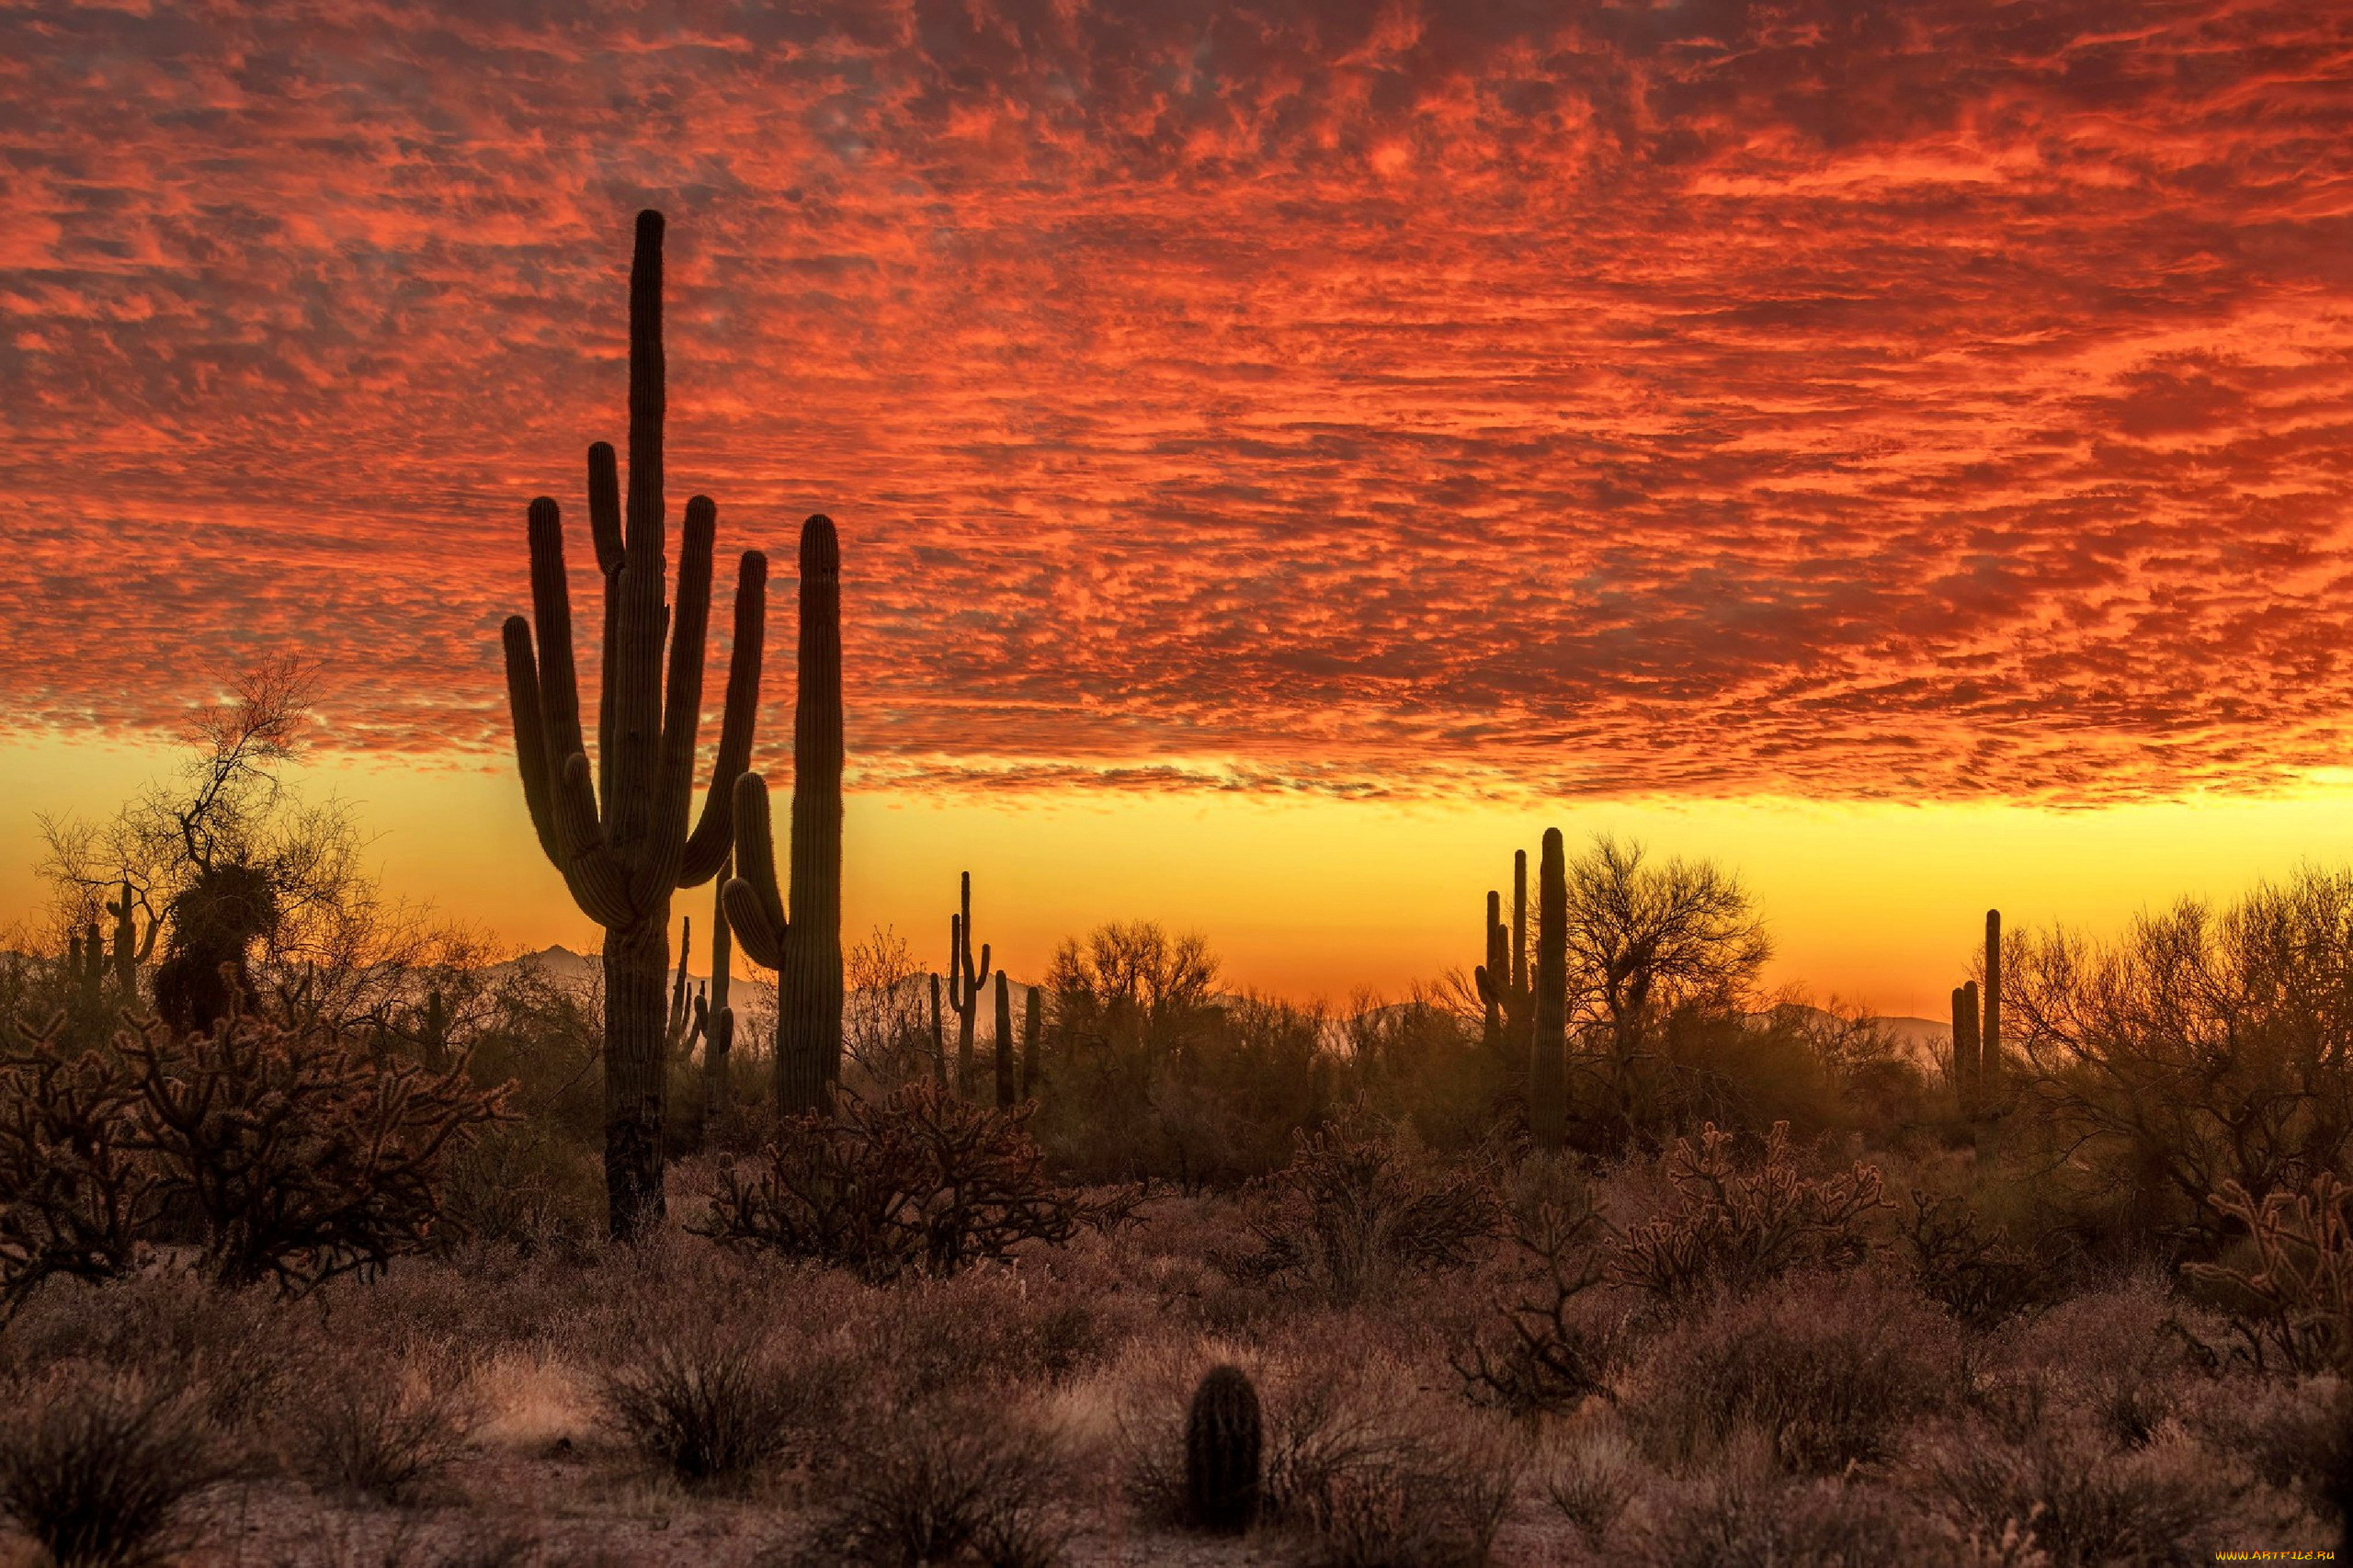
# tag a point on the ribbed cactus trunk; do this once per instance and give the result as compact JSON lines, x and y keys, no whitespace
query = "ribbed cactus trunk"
{"x":1502,"y":981}
{"x":1498,"y":959}
{"x":1003,"y":1042}
{"x":1031,"y":1030}
{"x":1224,"y":1438}
{"x":939,"y":1042}
{"x":809,"y":988}
{"x":797,"y":929}
{"x":619,"y":832}
{"x":1548,"y":1065}
{"x":1964,"y":1047}
{"x":1989,"y":1051}
{"x":718,"y":1027}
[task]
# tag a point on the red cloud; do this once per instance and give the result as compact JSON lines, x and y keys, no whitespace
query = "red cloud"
{"x":1915,"y":401}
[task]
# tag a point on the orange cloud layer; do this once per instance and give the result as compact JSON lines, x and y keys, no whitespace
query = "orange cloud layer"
{"x":1842,"y":400}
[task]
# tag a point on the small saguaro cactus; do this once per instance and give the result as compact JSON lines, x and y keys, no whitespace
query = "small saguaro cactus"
{"x":1964,"y":1046}
{"x":1224,"y":1440}
{"x":1029,"y":1032}
{"x":1003,"y":1042}
{"x":1548,"y":1062}
{"x":797,"y":929}
{"x":685,"y":1020}
{"x":938,"y":1041}
{"x":130,"y":949}
{"x":85,"y":967}
{"x":719,"y":1028}
{"x":964,"y":981}
{"x":1503,"y":979}
{"x":618,"y":830}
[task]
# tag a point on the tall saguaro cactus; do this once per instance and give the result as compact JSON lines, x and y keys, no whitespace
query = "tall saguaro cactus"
{"x":1029,"y":1031}
{"x":1989,"y":1039}
{"x":619,"y":833}
{"x":1003,"y":1042}
{"x":964,"y":981}
{"x":797,"y":930}
{"x":1548,"y":1062}
{"x":1503,"y":979}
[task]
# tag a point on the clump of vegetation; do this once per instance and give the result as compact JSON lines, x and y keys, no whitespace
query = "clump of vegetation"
{"x":97,"y":1467}
{"x":1738,"y":1224}
{"x":382,"y":1426}
{"x":1557,"y":1347}
{"x":712,"y":1404}
{"x":1361,"y":1203}
{"x":916,"y":1182}
{"x":942,"y":1482}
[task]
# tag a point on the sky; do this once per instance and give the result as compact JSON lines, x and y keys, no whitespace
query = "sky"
{"x":1285,"y":455}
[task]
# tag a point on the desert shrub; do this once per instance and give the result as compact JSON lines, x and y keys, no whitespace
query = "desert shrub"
{"x":2202,"y":1047}
{"x":1558,"y":1342}
{"x":2295,"y":1434}
{"x":715,"y":1404}
{"x":1763,"y":1520}
{"x":2293,"y":1309}
{"x":1372,"y":1471}
{"x":377,"y":1424}
{"x":1827,"y":1373}
{"x":916,"y":1182}
{"x":95,"y":1465}
{"x":1734,"y":1228}
{"x":526,"y":1186}
{"x":1978,"y":1275}
{"x":75,"y":1196}
{"x":1361,"y":1203}
{"x":940,"y":1483}
{"x":984,"y":1326}
{"x":1589,"y":1473}
{"x":2085,"y":1501}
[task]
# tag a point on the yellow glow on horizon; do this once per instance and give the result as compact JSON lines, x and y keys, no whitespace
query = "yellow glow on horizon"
{"x":1873,"y":902}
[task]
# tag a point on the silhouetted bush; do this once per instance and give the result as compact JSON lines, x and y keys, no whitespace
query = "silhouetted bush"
{"x":95,"y":1465}
{"x":1361,"y":1204}
{"x":1559,"y":1343}
{"x":1978,"y":1276}
{"x":2201,"y":1048}
{"x":917,"y":1182}
{"x":711,"y":1405}
{"x":380,"y":1422}
{"x":1733,"y":1228}
{"x":1826,"y":1373}
{"x":938,"y":1483}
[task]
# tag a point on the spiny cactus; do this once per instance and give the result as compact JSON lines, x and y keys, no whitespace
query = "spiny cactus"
{"x":85,"y":967}
{"x":1988,"y":1074}
{"x":1029,"y":1032}
{"x":619,"y":833}
{"x":719,"y":1030}
{"x":797,"y":930}
{"x":1503,"y":979}
{"x":1548,"y":1062}
{"x":1003,"y":1042}
{"x":938,"y":1039}
{"x":1224,"y":1436}
{"x":130,"y":949}
{"x":1964,"y":1046}
{"x":964,"y":983}
{"x":686,"y":1014}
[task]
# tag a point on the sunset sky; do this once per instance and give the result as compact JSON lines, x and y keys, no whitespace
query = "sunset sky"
{"x":1285,"y":456}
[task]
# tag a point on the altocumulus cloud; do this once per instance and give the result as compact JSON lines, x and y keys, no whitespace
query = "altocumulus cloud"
{"x":1842,"y":400}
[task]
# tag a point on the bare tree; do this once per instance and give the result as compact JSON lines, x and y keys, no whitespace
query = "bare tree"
{"x":1648,"y":941}
{"x":886,"y":1028}
{"x":2203,"y":1046}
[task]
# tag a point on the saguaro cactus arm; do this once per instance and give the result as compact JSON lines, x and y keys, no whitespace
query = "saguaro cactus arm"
{"x":754,"y":905}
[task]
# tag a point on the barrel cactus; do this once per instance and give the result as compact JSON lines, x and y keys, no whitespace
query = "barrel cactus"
{"x":1223,"y":1436}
